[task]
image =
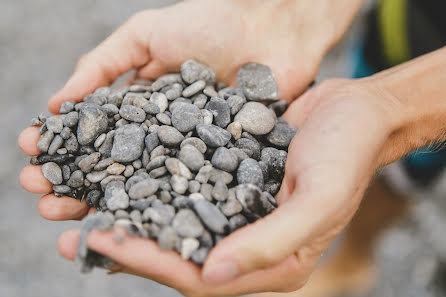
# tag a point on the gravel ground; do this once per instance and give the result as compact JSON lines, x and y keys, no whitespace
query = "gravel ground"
{"x":40,"y":42}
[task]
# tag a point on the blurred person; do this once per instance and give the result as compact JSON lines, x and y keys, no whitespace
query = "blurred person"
{"x":366,"y":124}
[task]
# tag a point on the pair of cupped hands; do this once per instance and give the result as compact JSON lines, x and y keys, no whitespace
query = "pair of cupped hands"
{"x":344,"y":136}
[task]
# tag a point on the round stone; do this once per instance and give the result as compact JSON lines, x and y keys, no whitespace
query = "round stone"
{"x":128,"y":143}
{"x":258,"y":82}
{"x":282,"y":134}
{"x":191,"y":157}
{"x":256,"y":118}
{"x":132,"y":113}
{"x":187,"y":224}
{"x":160,"y":100}
{"x":224,"y":159}
{"x":186,"y":117}
{"x":249,"y":172}
{"x":52,"y":172}
{"x":169,"y":136}
{"x":191,"y":71}
{"x":195,"y":142}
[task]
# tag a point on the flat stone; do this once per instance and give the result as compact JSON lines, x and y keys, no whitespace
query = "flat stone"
{"x":132,"y":113}
{"x":52,"y":172}
{"x":191,"y":157}
{"x":256,"y":118}
{"x":258,"y":82}
{"x":221,"y":111}
{"x":187,"y":224}
{"x":224,"y":159}
{"x":186,"y":117}
{"x":103,"y":164}
{"x":44,"y":141}
{"x":115,"y":196}
{"x":128,"y":143}
{"x":97,"y":176}
{"x":212,"y":135}
{"x":249,"y":172}
{"x":169,"y":136}
{"x":211,"y":216}
{"x":92,"y":123}
{"x":116,"y":169}
{"x":282,"y":134}
{"x":191,"y":71}
{"x":144,"y":188}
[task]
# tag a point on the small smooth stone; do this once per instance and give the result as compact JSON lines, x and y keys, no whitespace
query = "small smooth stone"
{"x":256,"y":118}
{"x":241,"y":155}
{"x":224,"y":159}
{"x":220,"y":191}
{"x":132,"y":113}
{"x":151,"y":142}
{"x":52,"y":172}
{"x":282,"y":134}
{"x":165,"y":197}
{"x":55,"y":145}
{"x":212,"y":135}
{"x":207,"y":117}
{"x":200,"y":100}
{"x":206,"y":191}
{"x":169,"y":136}
{"x":236,"y":103}
{"x":227,"y":92}
{"x":129,"y":170}
{"x":140,"y":204}
{"x":65,"y":133}
{"x":279,"y":107}
{"x":162,"y":214}
{"x":231,"y":207}
{"x":71,"y":144}
{"x":165,"y":80}
{"x":116,"y":169}
{"x":253,"y":200}
{"x":249,"y":146}
{"x":66,"y":172}
{"x":103,"y":164}
{"x":196,"y":196}
{"x":158,"y":172}
{"x":221,"y":111}
{"x":199,"y":256}
{"x":66,"y":107}
{"x":164,"y":119}
{"x":191,"y":157}
{"x":176,"y":167}
{"x":186,"y":117}
{"x":158,"y":151}
{"x":76,"y":179}
{"x":217,"y":174}
{"x":121,"y":214}
{"x":167,"y":238}
{"x":93,"y":197}
{"x":137,"y":164}
{"x":275,"y":160}
{"x":160,"y":100}
{"x":211,"y":216}
{"x":235,"y":128}
{"x":107,"y":146}
{"x":54,"y":124}
{"x":97,"y":176}
{"x":100,"y":140}
{"x":128,"y":143}
{"x":92,"y":123}
{"x":115,"y":196}
{"x":195,"y":142}
{"x":179,"y":184}
{"x":181,"y":202}
{"x":135,"y":216}
{"x":258,"y":82}
{"x":191,"y":71}
{"x":187,"y":224}
{"x":151,"y":108}
{"x":156,"y":163}
{"x":111,"y":178}
{"x":194,"y":88}
{"x":210,"y":91}
{"x":44,"y":141}
{"x":188,"y":247}
{"x":173,"y":94}
{"x":249,"y":172}
{"x":237,"y":222}
{"x":71,"y":119}
{"x":194,"y":186}
{"x":144,"y":188}
{"x":110,"y":109}
{"x":87,"y":163}
{"x":203,"y":174}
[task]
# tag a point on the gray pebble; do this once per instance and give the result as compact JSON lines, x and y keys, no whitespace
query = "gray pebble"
{"x":186,"y":117}
{"x":92,"y":123}
{"x":187,"y":224}
{"x":188,"y":247}
{"x":282,"y":134}
{"x":207,"y":116}
{"x":66,"y":107}
{"x":231,"y":207}
{"x":132,"y":113}
{"x":176,"y":167}
{"x":107,"y":146}
{"x":151,"y":108}
{"x":129,"y":170}
{"x":195,"y":142}
{"x":135,"y":216}
{"x":211,"y":216}
{"x":164,"y":119}
{"x":250,"y":147}
{"x":253,"y":200}
{"x":199,"y":256}
{"x":241,"y":155}
{"x":44,"y":141}
{"x":76,"y":179}
{"x":256,"y":118}
{"x":224,"y":159}
{"x":140,"y":204}
{"x":158,"y":172}
{"x":210,"y":91}
{"x":156,"y":163}
{"x":206,"y":191}
{"x":87,"y":164}
{"x":115,"y":196}
{"x":66,"y":172}
{"x":52,"y":172}
{"x":221,"y":111}
{"x":235,"y":128}
{"x":167,"y":238}
{"x":110,"y":109}
{"x":128,"y":143}
{"x":194,"y":186}
{"x":236,"y":103}
{"x":54,"y":124}
{"x":111,"y":178}
{"x":151,"y":141}
{"x":97,"y":176}
{"x":103,"y":164}
{"x":115,"y":169}
{"x":237,"y":222}
{"x":55,"y":144}
{"x":203,"y":174}
{"x":71,"y":119}
{"x":162,"y":214}
{"x":249,"y":172}
{"x":165,"y":80}
{"x":169,"y":136}
{"x":275,"y":160}
{"x":65,"y":133}
{"x":92,"y":198}
{"x":160,"y":100}
{"x":191,"y":157}
{"x":100,"y":140}
{"x":200,"y":100}
{"x":165,"y":197}
{"x":158,"y":151}
{"x":279,"y":107}
{"x":191,"y":71}
{"x":258,"y":82}
{"x":194,"y":88}
{"x":121,"y":214}
{"x":217,"y":174}
{"x":144,"y":188}
{"x":220,"y":191}
{"x":179,"y":184}
{"x":212,"y":135}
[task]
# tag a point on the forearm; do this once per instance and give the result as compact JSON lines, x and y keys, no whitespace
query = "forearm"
{"x":417,"y":94}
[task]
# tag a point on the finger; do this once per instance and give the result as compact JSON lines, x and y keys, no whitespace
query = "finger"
{"x":62,"y":208}
{"x":125,"y":49}
{"x":152,"y":70}
{"x":28,"y":141}
{"x":32,"y":180}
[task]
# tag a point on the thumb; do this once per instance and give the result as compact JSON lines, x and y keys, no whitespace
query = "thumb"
{"x":125,"y":49}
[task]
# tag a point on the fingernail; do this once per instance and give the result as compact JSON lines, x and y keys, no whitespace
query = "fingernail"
{"x":220,"y":273}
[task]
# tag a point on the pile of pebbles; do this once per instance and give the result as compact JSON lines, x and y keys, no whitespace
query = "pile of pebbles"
{"x":184,"y":160}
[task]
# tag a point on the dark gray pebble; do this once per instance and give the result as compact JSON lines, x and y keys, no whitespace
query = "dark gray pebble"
{"x":128,"y":143}
{"x":212,"y":135}
{"x":211,"y":216}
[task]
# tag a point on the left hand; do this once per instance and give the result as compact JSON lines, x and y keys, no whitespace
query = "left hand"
{"x":345,"y":135}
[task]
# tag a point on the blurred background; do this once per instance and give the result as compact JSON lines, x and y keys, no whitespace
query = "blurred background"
{"x":40,"y":43}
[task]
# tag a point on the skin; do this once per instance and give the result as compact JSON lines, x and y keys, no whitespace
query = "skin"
{"x":315,"y":201}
